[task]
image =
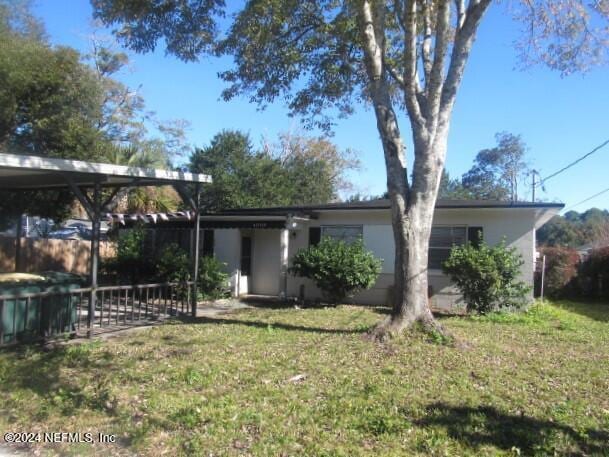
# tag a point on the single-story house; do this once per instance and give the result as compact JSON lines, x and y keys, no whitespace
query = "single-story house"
{"x":257,"y":243}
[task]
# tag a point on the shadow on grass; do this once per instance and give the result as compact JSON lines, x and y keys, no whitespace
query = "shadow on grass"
{"x":271,"y":302}
{"x":40,"y":371}
{"x":596,"y":310}
{"x":266,"y":302}
{"x":267,"y":325}
{"x":485,"y":425}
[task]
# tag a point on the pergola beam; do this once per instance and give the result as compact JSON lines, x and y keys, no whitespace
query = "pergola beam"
{"x":81,"y":196}
{"x":111,"y":197}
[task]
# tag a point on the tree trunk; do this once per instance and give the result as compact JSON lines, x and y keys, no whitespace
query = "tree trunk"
{"x":429,"y":110}
{"x":412,"y":218}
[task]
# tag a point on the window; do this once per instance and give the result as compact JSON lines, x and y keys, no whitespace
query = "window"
{"x":208,"y":243}
{"x":246,"y":255}
{"x":442,"y":239}
{"x":314,"y":236}
{"x":346,"y":233}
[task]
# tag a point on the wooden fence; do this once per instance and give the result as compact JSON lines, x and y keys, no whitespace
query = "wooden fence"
{"x":38,"y":254}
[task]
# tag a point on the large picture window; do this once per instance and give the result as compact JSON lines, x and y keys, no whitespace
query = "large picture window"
{"x":347,"y":233}
{"x":442,"y":239}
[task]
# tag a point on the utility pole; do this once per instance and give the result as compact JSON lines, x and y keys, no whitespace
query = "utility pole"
{"x":534,"y":174}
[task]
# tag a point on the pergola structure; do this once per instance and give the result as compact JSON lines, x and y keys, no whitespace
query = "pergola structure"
{"x":86,"y":180}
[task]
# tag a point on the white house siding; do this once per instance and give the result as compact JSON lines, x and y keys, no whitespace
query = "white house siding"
{"x":515,"y":224}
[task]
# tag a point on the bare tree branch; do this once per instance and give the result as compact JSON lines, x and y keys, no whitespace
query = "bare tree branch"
{"x":395,"y":157}
{"x":427,"y":36}
{"x":372,"y":49}
{"x":461,"y":49}
{"x":435,"y":84}
{"x":460,"y":6}
{"x":395,"y":75}
{"x":411,"y":93}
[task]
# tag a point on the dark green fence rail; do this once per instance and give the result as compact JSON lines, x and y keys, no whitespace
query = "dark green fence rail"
{"x":35,"y":316}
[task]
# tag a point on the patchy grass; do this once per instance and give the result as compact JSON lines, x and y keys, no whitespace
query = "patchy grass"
{"x":305,"y":382}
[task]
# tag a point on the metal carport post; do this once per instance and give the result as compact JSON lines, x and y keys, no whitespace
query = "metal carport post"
{"x":194,"y":201}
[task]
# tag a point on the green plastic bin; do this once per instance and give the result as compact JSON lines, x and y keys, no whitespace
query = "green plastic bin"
{"x":24,"y":319}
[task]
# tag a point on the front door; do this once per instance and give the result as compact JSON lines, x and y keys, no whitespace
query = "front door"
{"x":266,"y":260}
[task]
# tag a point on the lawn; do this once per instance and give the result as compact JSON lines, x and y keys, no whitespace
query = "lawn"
{"x":305,"y":382}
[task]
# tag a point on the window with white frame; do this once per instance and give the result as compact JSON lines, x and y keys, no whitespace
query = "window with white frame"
{"x":442,"y":239}
{"x":346,"y":233}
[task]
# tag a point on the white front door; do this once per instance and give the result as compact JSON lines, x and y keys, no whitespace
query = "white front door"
{"x":266,"y":270}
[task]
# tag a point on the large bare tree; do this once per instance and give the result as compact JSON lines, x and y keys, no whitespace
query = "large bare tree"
{"x":324,"y":56}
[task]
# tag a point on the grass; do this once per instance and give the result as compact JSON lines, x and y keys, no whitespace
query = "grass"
{"x":304,"y":382}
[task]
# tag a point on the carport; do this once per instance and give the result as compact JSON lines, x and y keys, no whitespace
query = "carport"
{"x":95,"y":186}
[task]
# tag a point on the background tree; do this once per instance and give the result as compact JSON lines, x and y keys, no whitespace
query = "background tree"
{"x":576,"y":229}
{"x":453,"y":189}
{"x":296,"y":170}
{"x":125,"y":124}
{"x":317,"y":168}
{"x":50,"y":102}
{"x":49,"y":105}
{"x":558,"y":231}
{"x":142,"y":199}
{"x":125,"y":120}
{"x":325,"y":55}
{"x":54,"y":104}
{"x":241,"y":178}
{"x":498,"y":171}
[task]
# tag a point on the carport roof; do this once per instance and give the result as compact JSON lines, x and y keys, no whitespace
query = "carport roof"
{"x":26,"y":172}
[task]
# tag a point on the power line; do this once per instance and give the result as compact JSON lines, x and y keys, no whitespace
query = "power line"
{"x":588,"y":199}
{"x":585,"y":156}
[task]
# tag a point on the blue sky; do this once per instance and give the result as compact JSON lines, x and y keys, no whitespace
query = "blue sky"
{"x":560,"y":119}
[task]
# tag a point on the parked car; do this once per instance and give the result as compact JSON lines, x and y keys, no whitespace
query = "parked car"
{"x":76,"y":231}
{"x":66,"y":233}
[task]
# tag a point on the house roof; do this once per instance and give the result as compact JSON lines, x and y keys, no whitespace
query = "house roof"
{"x":272,"y":217}
{"x":385,"y":204}
{"x":26,"y":172}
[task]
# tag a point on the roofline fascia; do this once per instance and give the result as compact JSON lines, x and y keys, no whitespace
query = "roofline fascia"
{"x":52,"y":164}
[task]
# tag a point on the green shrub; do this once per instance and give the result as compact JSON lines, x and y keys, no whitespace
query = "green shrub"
{"x":131,"y":260}
{"x":213,"y":281}
{"x":339,"y":269}
{"x":487,"y":276}
{"x":170,"y":264}
{"x":173,"y":264}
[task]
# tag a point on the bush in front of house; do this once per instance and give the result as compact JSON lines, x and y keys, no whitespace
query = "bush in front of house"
{"x":131,"y":260}
{"x":487,"y":276}
{"x":173,"y":264}
{"x":338,"y":268}
{"x":561,"y":269}
{"x":170,"y":264}
{"x":213,"y":280}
